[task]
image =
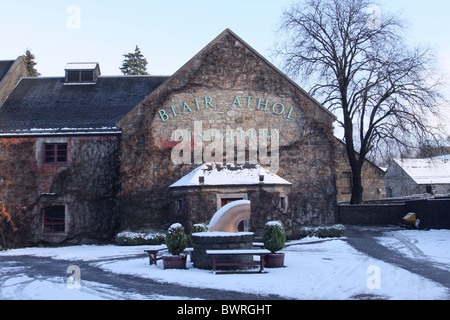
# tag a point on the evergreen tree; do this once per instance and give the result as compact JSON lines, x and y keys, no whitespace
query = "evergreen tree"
{"x":134,"y":63}
{"x":29,"y":60}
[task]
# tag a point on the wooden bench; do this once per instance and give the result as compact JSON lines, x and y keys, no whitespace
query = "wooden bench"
{"x":152,"y":252}
{"x":259,"y":252}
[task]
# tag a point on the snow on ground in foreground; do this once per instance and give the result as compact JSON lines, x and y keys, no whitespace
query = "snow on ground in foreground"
{"x":19,"y":286}
{"x":327,"y":270}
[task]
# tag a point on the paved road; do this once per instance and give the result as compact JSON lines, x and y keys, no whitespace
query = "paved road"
{"x":363,"y":239}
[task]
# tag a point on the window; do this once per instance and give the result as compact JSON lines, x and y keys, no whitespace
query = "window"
{"x":55,"y":219}
{"x":283,"y":203}
{"x":73,"y":76}
{"x":80,"y":76}
{"x":347,"y":182}
{"x":179,"y":204}
{"x":55,"y":153}
{"x":226,"y":201}
{"x":429,"y":189}
{"x":87,"y":76}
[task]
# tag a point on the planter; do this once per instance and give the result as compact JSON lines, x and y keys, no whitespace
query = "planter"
{"x":274,"y":260}
{"x":174,"y":262}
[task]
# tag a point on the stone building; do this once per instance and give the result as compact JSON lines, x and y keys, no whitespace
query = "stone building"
{"x":84,"y":156}
{"x":407,"y":177}
{"x":60,"y":151}
{"x":209,"y":187}
{"x":372,"y":177}
{"x":226,"y":95}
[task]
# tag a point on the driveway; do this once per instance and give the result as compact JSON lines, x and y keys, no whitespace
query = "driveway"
{"x":363,"y":239}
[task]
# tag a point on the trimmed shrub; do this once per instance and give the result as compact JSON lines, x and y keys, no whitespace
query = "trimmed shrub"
{"x":335,"y":231}
{"x":128,"y":238}
{"x":176,"y":239}
{"x":199,"y":227}
{"x":274,"y":237}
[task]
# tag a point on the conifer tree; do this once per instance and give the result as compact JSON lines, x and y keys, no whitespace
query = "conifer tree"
{"x":29,"y":60}
{"x":134,"y":63}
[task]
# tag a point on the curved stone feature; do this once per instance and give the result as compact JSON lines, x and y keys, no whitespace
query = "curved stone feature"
{"x":228,"y":217}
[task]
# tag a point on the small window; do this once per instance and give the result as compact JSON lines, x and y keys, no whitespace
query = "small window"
{"x":283,"y":203}
{"x":55,"y":153}
{"x":347,"y":182}
{"x":73,"y":76}
{"x":80,"y":77}
{"x":87,"y":76}
{"x":55,"y":219}
{"x":429,"y":189}
{"x":179,"y":205}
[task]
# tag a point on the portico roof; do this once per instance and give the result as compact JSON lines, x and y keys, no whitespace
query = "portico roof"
{"x":214,"y":174}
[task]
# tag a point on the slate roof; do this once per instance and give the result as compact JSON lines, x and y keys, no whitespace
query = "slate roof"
{"x":5,"y":65}
{"x":41,"y":106}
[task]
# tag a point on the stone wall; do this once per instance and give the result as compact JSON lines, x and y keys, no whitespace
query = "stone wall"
{"x":399,"y":183}
{"x":86,"y":186}
{"x":372,"y":177}
{"x":227,"y":86}
{"x":220,"y":241}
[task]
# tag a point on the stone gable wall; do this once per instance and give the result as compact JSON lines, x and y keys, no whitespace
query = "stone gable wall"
{"x":205,"y":90}
{"x":372,"y":177}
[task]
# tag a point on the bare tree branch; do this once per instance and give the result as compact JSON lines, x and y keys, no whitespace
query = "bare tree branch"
{"x":381,"y":90}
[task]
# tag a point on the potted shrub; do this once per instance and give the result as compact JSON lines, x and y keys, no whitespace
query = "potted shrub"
{"x":274,"y":239}
{"x":176,"y":243}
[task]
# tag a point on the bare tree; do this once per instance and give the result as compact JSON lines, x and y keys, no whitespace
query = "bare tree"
{"x":380,"y":90}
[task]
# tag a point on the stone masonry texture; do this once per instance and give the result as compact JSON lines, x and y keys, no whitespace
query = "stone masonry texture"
{"x":227,"y":86}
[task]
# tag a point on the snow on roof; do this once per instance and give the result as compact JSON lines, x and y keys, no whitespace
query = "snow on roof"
{"x":218,"y":174}
{"x":81,"y":65}
{"x":427,"y":171}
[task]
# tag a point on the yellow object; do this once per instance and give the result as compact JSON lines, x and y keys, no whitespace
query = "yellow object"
{"x":410,"y":218}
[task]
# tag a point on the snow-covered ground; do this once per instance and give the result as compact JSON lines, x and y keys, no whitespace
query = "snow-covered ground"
{"x":325,"y":270}
{"x":431,"y":245}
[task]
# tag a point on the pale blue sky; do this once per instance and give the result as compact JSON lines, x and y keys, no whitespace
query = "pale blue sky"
{"x":169,"y":32}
